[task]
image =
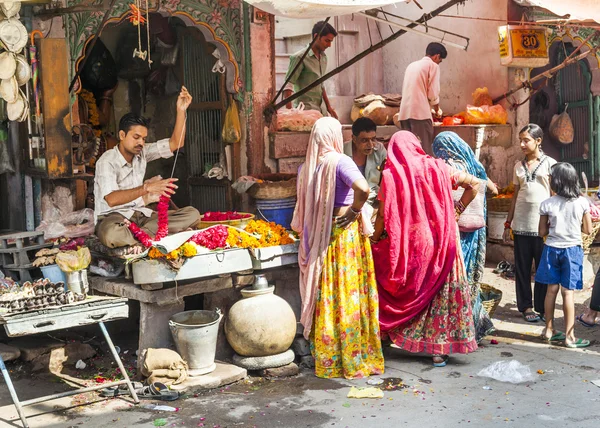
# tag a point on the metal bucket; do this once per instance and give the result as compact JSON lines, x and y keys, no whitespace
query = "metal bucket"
{"x":77,"y":282}
{"x":195,"y":334}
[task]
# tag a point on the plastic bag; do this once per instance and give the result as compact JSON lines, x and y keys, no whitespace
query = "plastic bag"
{"x":486,"y":115}
{"x":508,"y":371}
{"x":472,"y":218}
{"x":73,"y":261}
{"x":73,"y":225}
{"x":481,"y":97}
{"x":297,"y":119}
{"x":561,"y":128}
{"x":453,"y":120}
{"x":232,"y":130}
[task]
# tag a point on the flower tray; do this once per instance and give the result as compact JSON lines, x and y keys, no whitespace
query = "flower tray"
{"x":218,"y":262}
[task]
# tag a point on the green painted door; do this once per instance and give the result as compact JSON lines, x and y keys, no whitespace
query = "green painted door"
{"x":574,"y":94}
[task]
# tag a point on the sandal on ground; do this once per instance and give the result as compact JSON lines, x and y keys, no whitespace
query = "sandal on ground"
{"x":157,"y":391}
{"x":510,"y":272}
{"x":580,"y":320}
{"x":115,"y":391}
{"x":579,"y":343}
{"x":558,"y":336}
{"x":531,"y":316}
{"x":503,"y":266}
{"x":442,"y":363}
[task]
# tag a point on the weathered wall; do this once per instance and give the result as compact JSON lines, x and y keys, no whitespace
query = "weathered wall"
{"x":353,"y":38}
{"x":261,"y":52}
{"x":464,"y":71}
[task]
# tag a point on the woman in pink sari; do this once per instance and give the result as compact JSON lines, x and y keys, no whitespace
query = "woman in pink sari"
{"x":421,"y":277}
{"x":337,"y":278}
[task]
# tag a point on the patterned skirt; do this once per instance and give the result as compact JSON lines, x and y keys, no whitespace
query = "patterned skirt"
{"x":345,"y":338}
{"x":446,"y":325}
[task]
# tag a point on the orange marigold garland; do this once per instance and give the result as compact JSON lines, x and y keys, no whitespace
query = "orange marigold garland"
{"x":238,"y":239}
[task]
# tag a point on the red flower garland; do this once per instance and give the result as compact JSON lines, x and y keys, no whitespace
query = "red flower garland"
{"x":163,"y":218}
{"x":163,"y":224}
{"x":140,"y":235}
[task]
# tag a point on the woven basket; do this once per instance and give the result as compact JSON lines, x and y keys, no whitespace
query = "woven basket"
{"x":589,"y":239}
{"x":501,"y":205}
{"x":490,"y":298}
{"x":274,"y":186}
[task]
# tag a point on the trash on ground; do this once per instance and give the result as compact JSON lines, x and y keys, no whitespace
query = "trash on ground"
{"x":541,"y":371}
{"x":596,"y":382}
{"x":487,"y":388}
{"x":369,"y":392}
{"x":508,"y":371}
{"x":493,"y":342}
{"x":160,"y":422}
{"x":394,"y":383}
{"x":80,"y":365}
{"x":160,"y":408}
{"x":375,"y":381}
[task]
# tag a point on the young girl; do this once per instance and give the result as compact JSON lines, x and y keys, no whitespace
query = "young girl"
{"x":561,"y":218}
{"x":531,"y":179}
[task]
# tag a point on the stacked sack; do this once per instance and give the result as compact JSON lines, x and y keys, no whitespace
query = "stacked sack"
{"x":379,"y":108}
{"x":14,"y":68}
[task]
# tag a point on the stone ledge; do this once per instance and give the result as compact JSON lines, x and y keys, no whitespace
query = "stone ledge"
{"x":167,"y":295}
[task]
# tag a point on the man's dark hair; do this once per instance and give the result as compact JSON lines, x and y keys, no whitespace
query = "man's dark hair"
{"x":130,"y":120}
{"x":363,"y":124}
{"x":435,"y":48}
{"x":564,"y":181}
{"x":324,"y":28}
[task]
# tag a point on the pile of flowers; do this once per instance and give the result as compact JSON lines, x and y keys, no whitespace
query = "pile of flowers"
{"x":258,"y":233}
{"x":270,"y":233}
{"x":240,"y":239}
{"x":186,"y":250}
{"x":224,"y":216}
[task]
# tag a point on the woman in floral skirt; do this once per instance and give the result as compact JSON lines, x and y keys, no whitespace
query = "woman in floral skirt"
{"x":337,"y":279}
{"x":425,"y":302}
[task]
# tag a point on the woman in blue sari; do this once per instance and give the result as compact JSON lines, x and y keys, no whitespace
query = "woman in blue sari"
{"x":457,"y":153}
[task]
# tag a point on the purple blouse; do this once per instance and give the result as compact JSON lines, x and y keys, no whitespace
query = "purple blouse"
{"x":346,"y":173}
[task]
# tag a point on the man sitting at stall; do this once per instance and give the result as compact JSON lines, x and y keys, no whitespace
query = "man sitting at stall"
{"x":120,"y":192}
{"x":421,"y":95}
{"x":313,"y":67}
{"x":368,"y":153}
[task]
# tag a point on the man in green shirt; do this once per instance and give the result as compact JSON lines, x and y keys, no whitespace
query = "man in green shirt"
{"x":312,"y":68}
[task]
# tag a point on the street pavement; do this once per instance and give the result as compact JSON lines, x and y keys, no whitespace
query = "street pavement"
{"x":561,"y":393}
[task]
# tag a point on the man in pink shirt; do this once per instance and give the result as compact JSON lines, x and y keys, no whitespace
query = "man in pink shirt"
{"x":421,"y":95}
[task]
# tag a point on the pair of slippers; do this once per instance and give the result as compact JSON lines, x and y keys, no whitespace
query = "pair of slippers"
{"x":560,"y":336}
{"x":154,"y":391}
{"x":505,"y":269}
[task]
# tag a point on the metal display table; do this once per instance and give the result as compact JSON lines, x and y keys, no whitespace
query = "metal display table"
{"x":93,"y":310}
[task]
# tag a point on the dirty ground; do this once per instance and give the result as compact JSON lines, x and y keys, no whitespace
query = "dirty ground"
{"x":415,"y":393}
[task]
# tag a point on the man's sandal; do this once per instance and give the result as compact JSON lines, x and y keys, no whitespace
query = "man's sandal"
{"x":531,"y":316}
{"x":580,"y":320}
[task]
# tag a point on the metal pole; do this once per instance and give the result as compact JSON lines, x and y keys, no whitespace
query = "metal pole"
{"x":13,"y":393}
{"x":69,"y":393}
{"x":403,"y":27}
{"x":271,"y":109}
{"x":119,"y":362}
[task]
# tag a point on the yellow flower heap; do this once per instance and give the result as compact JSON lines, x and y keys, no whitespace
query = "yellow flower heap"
{"x":186,"y":250}
{"x":270,"y":233}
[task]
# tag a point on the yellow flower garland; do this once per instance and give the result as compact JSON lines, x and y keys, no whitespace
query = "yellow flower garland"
{"x":270,"y":233}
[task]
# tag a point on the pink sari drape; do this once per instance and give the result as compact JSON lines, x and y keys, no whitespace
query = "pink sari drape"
{"x":314,"y":209}
{"x":413,"y":264}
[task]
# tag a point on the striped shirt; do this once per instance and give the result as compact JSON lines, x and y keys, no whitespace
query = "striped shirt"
{"x":114,"y":173}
